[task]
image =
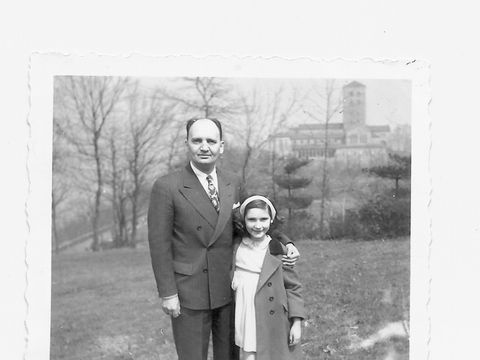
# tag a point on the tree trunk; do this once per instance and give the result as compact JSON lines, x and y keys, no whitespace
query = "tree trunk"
{"x":273,"y":165}
{"x":322,"y":213}
{"x":122,"y":224}
{"x":289,"y":199}
{"x":134,"y":201}
{"x":98,"y":195}
{"x":95,"y":242}
{"x":116,"y":233}
{"x":324,"y":183}
{"x":245,"y":165}
{"x":116,"y":236}
{"x":133,"y":236}
{"x":328,"y":114}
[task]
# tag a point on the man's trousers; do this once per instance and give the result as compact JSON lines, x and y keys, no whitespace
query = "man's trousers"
{"x":191,"y":332}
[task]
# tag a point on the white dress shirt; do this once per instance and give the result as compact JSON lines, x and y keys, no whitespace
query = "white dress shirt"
{"x":202,"y":177}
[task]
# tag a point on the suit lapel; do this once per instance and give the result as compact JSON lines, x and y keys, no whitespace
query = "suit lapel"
{"x":195,"y":194}
{"x":270,"y":265}
{"x":226,"y":193}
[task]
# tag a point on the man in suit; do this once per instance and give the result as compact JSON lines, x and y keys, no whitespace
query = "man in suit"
{"x":190,"y":236}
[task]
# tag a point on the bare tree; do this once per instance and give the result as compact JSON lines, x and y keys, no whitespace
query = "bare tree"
{"x":150,"y":120}
{"x":116,"y":178}
{"x":59,"y":179}
{"x":250,"y":109}
{"x":273,"y":171}
{"x":90,"y":103}
{"x":203,"y":96}
{"x":326,"y":107}
{"x":261,"y":118}
{"x":173,"y":149}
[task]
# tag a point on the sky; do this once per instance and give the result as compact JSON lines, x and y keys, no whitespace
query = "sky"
{"x":388,"y":100}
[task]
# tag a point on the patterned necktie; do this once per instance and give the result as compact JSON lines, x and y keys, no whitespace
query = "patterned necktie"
{"x":213,"y":194}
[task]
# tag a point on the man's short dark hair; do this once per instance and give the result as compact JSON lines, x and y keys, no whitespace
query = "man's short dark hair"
{"x":215,"y":121}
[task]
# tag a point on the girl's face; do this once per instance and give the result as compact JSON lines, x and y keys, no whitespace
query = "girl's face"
{"x":257,"y":222}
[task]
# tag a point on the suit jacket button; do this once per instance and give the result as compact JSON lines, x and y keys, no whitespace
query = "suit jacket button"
{"x":269,"y":284}
{"x":199,"y":228}
{"x":205,"y":270}
{"x":272,"y":312}
{"x":270,"y":298}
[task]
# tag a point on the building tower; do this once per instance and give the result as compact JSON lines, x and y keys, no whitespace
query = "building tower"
{"x":353,"y":105}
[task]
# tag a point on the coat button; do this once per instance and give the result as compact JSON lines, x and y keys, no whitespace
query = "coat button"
{"x":269,"y":284}
{"x":270,"y":298}
{"x":205,"y":270}
{"x":272,"y":312}
{"x":199,"y":228}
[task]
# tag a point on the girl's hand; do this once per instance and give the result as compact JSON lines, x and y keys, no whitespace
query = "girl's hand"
{"x":295,"y":332}
{"x":237,"y":280}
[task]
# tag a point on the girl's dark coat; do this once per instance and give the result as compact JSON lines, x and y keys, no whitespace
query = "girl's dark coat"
{"x":278,"y":299}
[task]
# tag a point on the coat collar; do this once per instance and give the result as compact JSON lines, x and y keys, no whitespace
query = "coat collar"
{"x":270,"y":264}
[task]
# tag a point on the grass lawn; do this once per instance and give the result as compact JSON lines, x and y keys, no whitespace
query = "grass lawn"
{"x":105,"y":305}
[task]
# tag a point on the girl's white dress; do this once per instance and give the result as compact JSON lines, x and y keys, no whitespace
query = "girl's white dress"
{"x":248,"y":265}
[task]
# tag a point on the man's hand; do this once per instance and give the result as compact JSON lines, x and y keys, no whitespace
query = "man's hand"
{"x":295,"y":332}
{"x":292,"y":255}
{"x":171,"y":305}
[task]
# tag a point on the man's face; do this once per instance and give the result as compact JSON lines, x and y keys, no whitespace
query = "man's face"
{"x":204,"y":144}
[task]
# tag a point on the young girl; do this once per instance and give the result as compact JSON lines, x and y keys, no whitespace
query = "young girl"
{"x":268,"y":303}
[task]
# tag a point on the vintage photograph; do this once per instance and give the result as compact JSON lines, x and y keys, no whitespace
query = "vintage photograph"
{"x":230,"y":218}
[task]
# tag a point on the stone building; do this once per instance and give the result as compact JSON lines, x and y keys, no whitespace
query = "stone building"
{"x":351,"y":140}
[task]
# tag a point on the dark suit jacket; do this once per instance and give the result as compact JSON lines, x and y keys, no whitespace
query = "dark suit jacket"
{"x":190,"y":244}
